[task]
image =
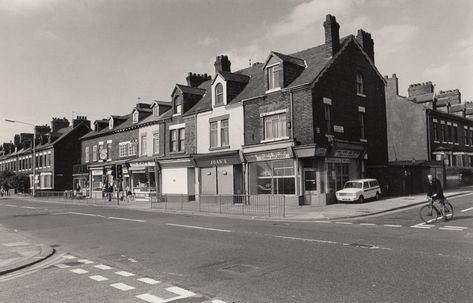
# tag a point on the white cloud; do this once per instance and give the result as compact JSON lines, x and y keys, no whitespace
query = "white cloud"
{"x":207,"y":41}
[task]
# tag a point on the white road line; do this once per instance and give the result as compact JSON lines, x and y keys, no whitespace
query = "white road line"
{"x":122,"y":286}
{"x":449,"y":228}
{"x":150,"y":298}
{"x":11,"y":205}
{"x":13,"y":244}
{"x":85,"y":261}
{"x":149,"y":281}
{"x":127,"y":219}
{"x":307,"y":240}
{"x":325,"y":222}
{"x":460,"y":227}
{"x":198,"y":227}
{"x":392,"y":225}
{"x":124,"y":274}
{"x":82,"y":214}
{"x":102,"y":267}
{"x":98,"y":278}
{"x":464,"y":210}
{"x":29,"y":207}
{"x":368,"y":224}
{"x":344,"y":223}
{"x":180,"y":292}
{"x":69,"y":257}
{"x":61,"y":265}
{"x":217,"y":301}
{"x":422,"y":226}
{"x":79,"y":271}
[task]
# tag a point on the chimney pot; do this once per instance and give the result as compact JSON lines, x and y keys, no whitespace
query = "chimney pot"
{"x":332,"y":35}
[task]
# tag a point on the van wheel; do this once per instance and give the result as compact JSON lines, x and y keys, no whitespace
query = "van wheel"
{"x":377,"y":196}
{"x":361,"y":199}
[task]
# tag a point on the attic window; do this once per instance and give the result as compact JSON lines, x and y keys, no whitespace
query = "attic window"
{"x":177,"y":105}
{"x":273,"y":77}
{"x":219,"y":94}
{"x":110,"y":123}
{"x":135,"y":116}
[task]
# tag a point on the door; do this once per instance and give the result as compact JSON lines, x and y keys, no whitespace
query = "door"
{"x":310,"y":187}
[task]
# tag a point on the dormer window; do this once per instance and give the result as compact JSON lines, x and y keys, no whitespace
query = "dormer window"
{"x":219,"y":94}
{"x":273,"y":77}
{"x":110,"y":123}
{"x":135,"y":116}
{"x":156,"y":111}
{"x":177,"y":105}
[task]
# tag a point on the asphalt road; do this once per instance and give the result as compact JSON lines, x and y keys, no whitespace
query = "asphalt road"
{"x":388,"y":258}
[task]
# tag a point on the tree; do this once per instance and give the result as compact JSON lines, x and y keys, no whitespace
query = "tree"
{"x":17,"y":181}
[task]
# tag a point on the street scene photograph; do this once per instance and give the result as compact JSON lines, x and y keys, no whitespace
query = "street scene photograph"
{"x":249,"y":151}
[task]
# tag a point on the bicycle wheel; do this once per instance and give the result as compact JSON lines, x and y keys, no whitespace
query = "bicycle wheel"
{"x":428,"y":214}
{"x":448,"y":211}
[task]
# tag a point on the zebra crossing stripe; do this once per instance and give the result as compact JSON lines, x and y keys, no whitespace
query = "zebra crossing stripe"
{"x":150,"y":298}
{"x":122,"y":286}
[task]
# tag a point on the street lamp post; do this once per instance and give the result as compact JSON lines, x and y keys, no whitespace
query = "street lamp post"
{"x":33,"y":157}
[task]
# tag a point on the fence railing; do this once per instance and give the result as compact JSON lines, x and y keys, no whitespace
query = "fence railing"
{"x":246,"y":205}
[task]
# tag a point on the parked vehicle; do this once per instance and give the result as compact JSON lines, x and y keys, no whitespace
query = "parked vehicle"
{"x":359,"y":191}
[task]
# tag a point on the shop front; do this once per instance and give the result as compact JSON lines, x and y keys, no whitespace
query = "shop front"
{"x":177,"y":179}
{"x":273,"y":173}
{"x":219,"y":174}
{"x":143,"y":179}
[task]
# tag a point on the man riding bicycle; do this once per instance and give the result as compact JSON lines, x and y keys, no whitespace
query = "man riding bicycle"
{"x":435,"y":189}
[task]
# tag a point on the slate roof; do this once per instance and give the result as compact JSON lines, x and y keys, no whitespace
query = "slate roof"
{"x":234,"y":77}
{"x":291,"y":59}
{"x":190,"y":89}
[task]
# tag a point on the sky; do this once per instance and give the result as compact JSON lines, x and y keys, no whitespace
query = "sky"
{"x":95,"y":58}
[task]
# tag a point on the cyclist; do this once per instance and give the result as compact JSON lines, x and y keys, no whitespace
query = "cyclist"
{"x":435,"y":189}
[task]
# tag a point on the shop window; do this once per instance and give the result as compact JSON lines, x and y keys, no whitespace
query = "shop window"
{"x":86,"y":154}
{"x":275,"y":127}
{"x":219,"y":94}
{"x":338,"y":175}
{"x":140,"y":181}
{"x":359,"y":84}
{"x":272,"y":177}
{"x":273,"y":77}
{"x":97,"y":182}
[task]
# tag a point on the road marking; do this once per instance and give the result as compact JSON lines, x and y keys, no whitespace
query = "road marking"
{"x":343,"y":222}
{"x":307,"y":240}
{"x":217,"y":301}
{"x":460,"y":227}
{"x":79,"y":271}
{"x":13,"y":244}
{"x":11,"y":205}
{"x":61,"y":265}
{"x":449,"y":228}
{"x":323,"y":222}
{"x":69,"y":257}
{"x":180,"y":292}
{"x":198,"y":227}
{"x":392,"y":225}
{"x":464,"y":210}
{"x":29,"y":207}
{"x":102,"y":267}
{"x":422,"y":225}
{"x":150,"y":298}
{"x":367,"y":224}
{"x":98,"y":278}
{"x":124,"y":273}
{"x":84,"y":261}
{"x":81,"y":214}
{"x":122,"y":286}
{"x":127,"y":219}
{"x":149,"y":281}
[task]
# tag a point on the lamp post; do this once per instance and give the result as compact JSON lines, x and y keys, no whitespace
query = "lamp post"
{"x":33,"y":157}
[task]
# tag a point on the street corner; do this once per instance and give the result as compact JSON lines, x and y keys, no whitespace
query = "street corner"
{"x":17,"y":252}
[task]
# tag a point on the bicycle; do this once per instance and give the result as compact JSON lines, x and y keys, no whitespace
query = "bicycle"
{"x":430,"y":212}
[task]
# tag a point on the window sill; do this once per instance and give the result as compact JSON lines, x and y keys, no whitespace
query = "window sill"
{"x":175,"y":115}
{"x":363,"y":140}
{"x":177,"y":152}
{"x":219,"y":147}
{"x":272,"y":90}
{"x":361,"y":95}
{"x":275,"y":139}
{"x":219,"y":105}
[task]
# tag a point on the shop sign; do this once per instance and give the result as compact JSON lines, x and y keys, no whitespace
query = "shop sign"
{"x":103,"y":154}
{"x":320,"y":151}
{"x":338,"y":160}
{"x":338,"y":129}
{"x":274,"y":155}
{"x":345,"y":153}
{"x":97,"y":172}
{"x":218,"y":161}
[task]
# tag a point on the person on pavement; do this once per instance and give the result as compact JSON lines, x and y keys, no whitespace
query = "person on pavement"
{"x":435,"y":189}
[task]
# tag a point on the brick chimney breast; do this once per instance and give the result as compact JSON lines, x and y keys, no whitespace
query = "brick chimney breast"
{"x":222,"y":64}
{"x":365,"y":40}
{"x":332,"y":35}
{"x":419,"y":89}
{"x":195,"y":80}
{"x":59,"y":123}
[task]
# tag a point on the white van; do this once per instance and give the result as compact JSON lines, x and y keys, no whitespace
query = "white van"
{"x":359,"y":190}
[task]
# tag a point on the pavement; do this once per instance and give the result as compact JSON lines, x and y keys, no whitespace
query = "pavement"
{"x":18,"y":252}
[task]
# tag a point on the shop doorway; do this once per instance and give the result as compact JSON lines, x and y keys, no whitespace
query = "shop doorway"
{"x":310,"y":187}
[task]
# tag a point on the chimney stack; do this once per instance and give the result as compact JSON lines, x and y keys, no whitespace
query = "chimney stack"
{"x":195,"y":80}
{"x":365,"y":40}
{"x":222,"y":64}
{"x":332,"y":35}
{"x":80,"y":119}
{"x":59,"y":123}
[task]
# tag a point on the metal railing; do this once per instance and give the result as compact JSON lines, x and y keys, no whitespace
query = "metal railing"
{"x":246,"y":205}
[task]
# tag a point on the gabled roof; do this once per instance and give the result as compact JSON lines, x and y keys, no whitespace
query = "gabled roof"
{"x":228,"y":76}
{"x":285,"y":58}
{"x":188,"y":90}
